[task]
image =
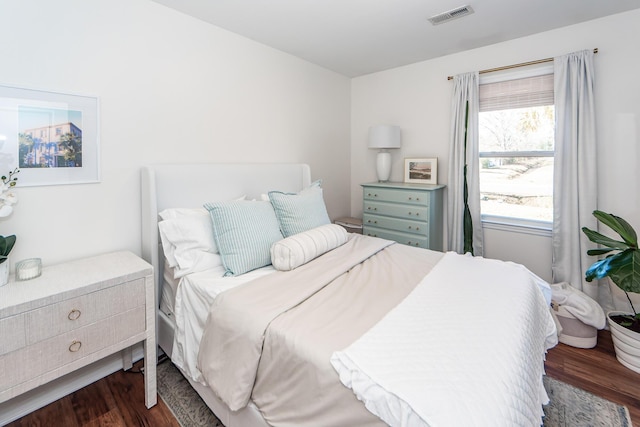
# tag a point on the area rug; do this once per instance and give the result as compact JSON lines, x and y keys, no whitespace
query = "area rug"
{"x":569,"y":407}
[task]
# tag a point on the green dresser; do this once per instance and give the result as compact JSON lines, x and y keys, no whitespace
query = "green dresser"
{"x":407,"y":213}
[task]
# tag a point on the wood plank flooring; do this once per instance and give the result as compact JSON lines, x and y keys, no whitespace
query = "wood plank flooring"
{"x":597,"y":371}
{"x":118,"y":400}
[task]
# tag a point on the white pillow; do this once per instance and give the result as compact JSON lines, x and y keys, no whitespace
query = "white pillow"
{"x":187,"y":240}
{"x":294,"y":251}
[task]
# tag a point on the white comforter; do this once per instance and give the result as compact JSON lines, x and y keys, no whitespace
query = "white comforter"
{"x":428,"y":364}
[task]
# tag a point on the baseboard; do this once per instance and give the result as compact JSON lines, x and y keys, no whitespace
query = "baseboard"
{"x":35,"y":399}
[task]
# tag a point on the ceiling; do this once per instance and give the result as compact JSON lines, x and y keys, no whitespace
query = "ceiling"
{"x":357,"y":37}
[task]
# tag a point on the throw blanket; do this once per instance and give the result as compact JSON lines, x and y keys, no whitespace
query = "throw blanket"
{"x":233,"y":338}
{"x":474,"y":358}
{"x":579,"y":304}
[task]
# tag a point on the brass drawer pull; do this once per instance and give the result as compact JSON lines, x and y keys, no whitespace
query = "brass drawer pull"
{"x":74,"y":314}
{"x":75,"y":346}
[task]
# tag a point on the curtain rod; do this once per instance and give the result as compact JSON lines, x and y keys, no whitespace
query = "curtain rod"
{"x":522,"y":64}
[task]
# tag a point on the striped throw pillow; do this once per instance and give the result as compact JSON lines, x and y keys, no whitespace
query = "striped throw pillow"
{"x":294,"y":251}
{"x":300,"y":212}
{"x":244,"y":232}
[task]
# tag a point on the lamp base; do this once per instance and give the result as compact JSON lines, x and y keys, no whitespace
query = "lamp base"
{"x":383,"y":166}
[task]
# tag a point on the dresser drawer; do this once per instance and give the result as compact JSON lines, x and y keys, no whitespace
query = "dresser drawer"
{"x":74,"y":313}
{"x":12,"y":336}
{"x":411,"y":197}
{"x":397,"y":224}
{"x":35,"y":360}
{"x":398,"y":236}
{"x":399,"y":211}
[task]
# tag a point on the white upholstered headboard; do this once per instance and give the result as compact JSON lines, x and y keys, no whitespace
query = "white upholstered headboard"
{"x":191,"y":185}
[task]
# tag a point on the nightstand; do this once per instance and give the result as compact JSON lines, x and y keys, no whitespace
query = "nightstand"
{"x":74,"y":314}
{"x":352,"y":225}
{"x":405,"y":212}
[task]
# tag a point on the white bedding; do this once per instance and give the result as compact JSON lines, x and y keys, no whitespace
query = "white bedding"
{"x":193,"y":298}
{"x":506,"y":387}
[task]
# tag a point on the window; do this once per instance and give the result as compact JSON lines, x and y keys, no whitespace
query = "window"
{"x":516,"y":146}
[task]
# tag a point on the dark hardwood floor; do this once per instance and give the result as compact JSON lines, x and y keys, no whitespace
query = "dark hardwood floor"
{"x":597,"y":371}
{"x":118,"y":400}
{"x":114,"y":401}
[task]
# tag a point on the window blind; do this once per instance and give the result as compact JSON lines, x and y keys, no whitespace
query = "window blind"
{"x":518,"y":93}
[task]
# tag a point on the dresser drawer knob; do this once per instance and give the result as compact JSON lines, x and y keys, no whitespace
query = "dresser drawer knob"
{"x":74,"y":314}
{"x":75,"y":346}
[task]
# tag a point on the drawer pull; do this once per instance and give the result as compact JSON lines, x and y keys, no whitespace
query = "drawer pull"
{"x":411,"y":228}
{"x":75,"y":346}
{"x":417,"y":199}
{"x":372,"y":222}
{"x":74,"y":314}
{"x":369,"y":209}
{"x":374,"y":195}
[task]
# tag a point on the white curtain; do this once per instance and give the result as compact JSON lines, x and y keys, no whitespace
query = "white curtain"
{"x":465,"y":91}
{"x":575,"y":171}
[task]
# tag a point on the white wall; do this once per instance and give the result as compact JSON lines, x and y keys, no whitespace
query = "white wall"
{"x":171,"y":89}
{"x":417,"y":98}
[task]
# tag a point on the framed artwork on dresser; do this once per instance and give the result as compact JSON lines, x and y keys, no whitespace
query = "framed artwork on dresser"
{"x":52,"y":137}
{"x":421,"y":170}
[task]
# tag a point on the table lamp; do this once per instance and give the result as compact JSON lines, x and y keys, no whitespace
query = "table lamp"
{"x":384,"y":137}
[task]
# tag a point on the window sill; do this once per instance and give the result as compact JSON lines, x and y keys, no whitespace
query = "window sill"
{"x":514,"y":225}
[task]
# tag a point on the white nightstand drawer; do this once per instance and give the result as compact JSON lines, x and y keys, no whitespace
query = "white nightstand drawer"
{"x":35,"y":360}
{"x":400,"y":237}
{"x":405,"y":225}
{"x":400,"y":211}
{"x":12,"y":336}
{"x":397,"y":196}
{"x":74,"y":313}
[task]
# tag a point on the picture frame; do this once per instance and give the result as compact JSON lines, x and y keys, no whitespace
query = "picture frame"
{"x":52,"y":137}
{"x":421,"y":170}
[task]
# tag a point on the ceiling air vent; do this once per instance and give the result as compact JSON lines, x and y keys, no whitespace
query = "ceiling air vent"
{"x":458,"y":12}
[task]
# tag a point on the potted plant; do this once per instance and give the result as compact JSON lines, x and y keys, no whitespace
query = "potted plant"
{"x":622,"y":266}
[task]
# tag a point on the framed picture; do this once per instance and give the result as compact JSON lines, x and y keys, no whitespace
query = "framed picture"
{"x":422,"y":171}
{"x":52,"y":137}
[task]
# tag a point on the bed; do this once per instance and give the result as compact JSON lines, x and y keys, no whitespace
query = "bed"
{"x":346,"y":335}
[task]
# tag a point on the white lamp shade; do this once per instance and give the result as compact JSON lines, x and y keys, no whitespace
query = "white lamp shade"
{"x":384,"y":136}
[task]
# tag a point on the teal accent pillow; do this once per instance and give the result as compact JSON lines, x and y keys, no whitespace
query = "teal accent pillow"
{"x":244,"y":232}
{"x":300,"y":212}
